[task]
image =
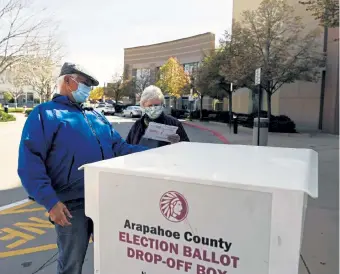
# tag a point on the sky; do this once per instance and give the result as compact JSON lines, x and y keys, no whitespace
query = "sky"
{"x":95,"y":33}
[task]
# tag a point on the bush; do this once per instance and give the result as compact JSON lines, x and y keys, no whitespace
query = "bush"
{"x":211,"y":115}
{"x":28,"y":111}
{"x":179,"y":113}
{"x":6,"y":117}
{"x":281,"y":123}
{"x":17,"y":110}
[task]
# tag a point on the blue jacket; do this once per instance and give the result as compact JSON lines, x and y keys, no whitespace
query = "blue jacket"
{"x":59,"y":137}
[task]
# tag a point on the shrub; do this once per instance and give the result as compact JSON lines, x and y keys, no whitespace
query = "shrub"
{"x":179,"y":113}
{"x":17,"y":110}
{"x":6,"y":117}
{"x":281,"y":123}
{"x":28,"y":111}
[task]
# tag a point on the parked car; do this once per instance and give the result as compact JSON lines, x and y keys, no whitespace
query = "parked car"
{"x":132,"y":111}
{"x":106,"y":109}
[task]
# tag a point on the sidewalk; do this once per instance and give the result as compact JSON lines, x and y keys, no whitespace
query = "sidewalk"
{"x":320,"y":247}
{"x":10,"y":134}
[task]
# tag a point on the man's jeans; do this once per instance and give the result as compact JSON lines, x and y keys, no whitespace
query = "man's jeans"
{"x":73,"y":240}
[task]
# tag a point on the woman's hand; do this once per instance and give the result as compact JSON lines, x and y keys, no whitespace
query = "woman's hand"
{"x":174,"y":138}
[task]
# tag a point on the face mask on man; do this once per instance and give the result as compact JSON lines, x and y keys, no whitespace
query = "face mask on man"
{"x":82,"y":93}
{"x":153,"y":112}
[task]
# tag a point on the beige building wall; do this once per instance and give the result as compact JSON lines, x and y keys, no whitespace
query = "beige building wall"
{"x":301,"y":100}
{"x":187,"y":50}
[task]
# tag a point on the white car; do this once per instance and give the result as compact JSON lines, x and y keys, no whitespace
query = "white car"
{"x":106,"y":109}
{"x":132,"y":111}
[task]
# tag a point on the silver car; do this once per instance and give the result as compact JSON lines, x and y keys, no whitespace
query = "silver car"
{"x":106,"y":109}
{"x":132,"y":111}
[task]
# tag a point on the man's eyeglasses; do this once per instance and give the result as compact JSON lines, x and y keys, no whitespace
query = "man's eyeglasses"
{"x":85,"y":82}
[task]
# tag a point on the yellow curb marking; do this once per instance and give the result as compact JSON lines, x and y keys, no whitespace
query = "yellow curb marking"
{"x":12,"y":234}
{"x":32,"y":227}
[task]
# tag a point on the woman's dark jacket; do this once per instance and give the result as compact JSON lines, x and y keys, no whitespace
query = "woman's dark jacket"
{"x":139,"y":127}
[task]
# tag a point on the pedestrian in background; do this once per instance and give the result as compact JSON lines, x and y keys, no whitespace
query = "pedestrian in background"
{"x":6,"y":108}
{"x":58,"y":137}
{"x":152,"y":101}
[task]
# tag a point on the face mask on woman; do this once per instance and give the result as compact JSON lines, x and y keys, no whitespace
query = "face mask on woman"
{"x":153,"y":112}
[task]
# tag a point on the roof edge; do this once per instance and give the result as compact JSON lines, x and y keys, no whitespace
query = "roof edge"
{"x":176,"y":40}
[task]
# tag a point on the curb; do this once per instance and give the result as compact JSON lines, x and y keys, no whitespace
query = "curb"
{"x":214,"y":132}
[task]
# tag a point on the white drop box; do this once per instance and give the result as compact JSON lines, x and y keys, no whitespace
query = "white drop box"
{"x":200,"y":208}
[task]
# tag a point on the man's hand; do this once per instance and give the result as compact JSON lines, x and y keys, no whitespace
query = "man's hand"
{"x":174,"y":138}
{"x":59,"y":214}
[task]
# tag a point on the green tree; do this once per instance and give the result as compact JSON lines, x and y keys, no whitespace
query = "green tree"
{"x":211,"y":81}
{"x":118,"y":88}
{"x":97,"y":93}
{"x":172,"y":78}
{"x":325,"y":11}
{"x":7,"y":96}
{"x":273,"y":38}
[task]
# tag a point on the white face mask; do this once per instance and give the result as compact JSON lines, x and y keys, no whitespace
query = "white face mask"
{"x":154,"y":112}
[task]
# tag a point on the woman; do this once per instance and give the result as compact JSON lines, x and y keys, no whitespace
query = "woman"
{"x":152,"y":101}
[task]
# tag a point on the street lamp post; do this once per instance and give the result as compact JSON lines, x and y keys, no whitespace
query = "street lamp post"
{"x":258,"y":84}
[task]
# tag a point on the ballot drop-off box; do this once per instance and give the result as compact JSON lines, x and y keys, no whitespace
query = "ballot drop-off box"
{"x":200,"y":208}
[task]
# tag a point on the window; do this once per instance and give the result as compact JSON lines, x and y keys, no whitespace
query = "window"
{"x":190,"y":67}
{"x":30,"y":97}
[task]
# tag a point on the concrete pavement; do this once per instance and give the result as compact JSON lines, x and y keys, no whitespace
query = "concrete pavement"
{"x":10,"y":134}
{"x":320,"y":247}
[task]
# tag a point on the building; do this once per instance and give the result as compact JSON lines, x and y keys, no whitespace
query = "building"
{"x":27,"y":96}
{"x":142,"y":60}
{"x":320,"y":101}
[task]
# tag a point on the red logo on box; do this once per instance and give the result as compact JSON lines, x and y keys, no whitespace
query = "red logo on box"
{"x":174,"y":206}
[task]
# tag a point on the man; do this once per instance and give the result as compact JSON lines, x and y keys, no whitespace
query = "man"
{"x":59,"y":137}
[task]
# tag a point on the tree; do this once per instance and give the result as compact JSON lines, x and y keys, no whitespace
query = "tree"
{"x":17,"y":84}
{"x":211,"y":81}
{"x":324,"y":11}
{"x":118,"y":88}
{"x":142,"y":80}
{"x":20,"y":32}
{"x":272,"y":38}
{"x":7,"y":96}
{"x":97,"y":93}
{"x":172,"y":78}
{"x":40,"y":69}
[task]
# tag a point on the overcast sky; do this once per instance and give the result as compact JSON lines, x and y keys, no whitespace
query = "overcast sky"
{"x":96,"y":32}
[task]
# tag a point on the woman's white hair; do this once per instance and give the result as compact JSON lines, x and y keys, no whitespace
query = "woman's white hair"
{"x":151,"y":93}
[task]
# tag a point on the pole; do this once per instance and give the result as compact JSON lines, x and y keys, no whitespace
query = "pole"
{"x":230,"y":106}
{"x":258,"y":114}
{"x":323,"y":79}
